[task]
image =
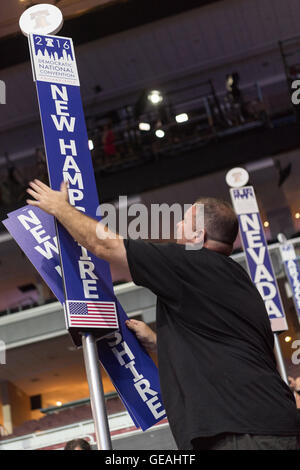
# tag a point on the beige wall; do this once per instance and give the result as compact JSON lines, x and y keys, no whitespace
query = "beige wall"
{"x":15,"y":406}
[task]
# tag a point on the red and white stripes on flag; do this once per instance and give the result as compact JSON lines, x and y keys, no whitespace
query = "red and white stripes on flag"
{"x":88,"y":314}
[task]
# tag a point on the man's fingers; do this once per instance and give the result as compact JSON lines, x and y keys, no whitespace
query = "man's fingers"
{"x":132,"y":323}
{"x":33,"y":194}
{"x":143,"y":333}
{"x":291,"y":381}
{"x":42,"y":185}
{"x":32,"y":203}
{"x":37,"y":188}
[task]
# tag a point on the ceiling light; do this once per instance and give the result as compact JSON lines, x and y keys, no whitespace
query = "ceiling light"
{"x":58,"y":403}
{"x":144,"y":126}
{"x":297,"y":215}
{"x":155,"y":97}
{"x":266,"y":224}
{"x":91,"y":144}
{"x":159,"y":133}
{"x":287,"y":339}
{"x":182,"y":117}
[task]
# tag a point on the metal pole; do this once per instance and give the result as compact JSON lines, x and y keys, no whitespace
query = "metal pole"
{"x":280,"y":360}
{"x":92,"y":368}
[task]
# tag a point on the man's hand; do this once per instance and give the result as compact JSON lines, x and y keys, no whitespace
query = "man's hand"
{"x":46,"y":198}
{"x":144,"y":334}
{"x":294,"y":383}
{"x":295,"y":386}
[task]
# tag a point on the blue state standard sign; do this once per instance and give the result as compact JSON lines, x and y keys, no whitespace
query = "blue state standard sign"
{"x":292,"y":270}
{"x":89,"y":304}
{"x":257,"y":254}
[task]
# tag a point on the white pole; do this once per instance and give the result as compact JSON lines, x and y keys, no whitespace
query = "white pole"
{"x":92,"y":368}
{"x":280,"y":360}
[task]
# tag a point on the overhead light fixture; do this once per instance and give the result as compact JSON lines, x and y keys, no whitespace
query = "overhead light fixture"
{"x":58,"y":403}
{"x":144,"y":126}
{"x":266,"y":224}
{"x":287,"y":339}
{"x":297,"y":215}
{"x":155,"y":97}
{"x":159,"y":133}
{"x":181,"y":117}
{"x":91,"y":144}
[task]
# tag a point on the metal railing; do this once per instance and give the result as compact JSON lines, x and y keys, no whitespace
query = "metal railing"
{"x":76,"y":403}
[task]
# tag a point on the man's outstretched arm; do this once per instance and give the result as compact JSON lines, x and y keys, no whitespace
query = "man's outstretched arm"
{"x":88,"y":232}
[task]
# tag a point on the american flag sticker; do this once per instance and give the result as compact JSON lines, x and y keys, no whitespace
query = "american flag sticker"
{"x":92,"y":314}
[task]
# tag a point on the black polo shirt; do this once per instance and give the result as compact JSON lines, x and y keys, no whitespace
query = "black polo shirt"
{"x":215,"y":345}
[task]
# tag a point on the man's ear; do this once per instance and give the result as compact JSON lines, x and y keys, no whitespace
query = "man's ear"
{"x":200,"y":236}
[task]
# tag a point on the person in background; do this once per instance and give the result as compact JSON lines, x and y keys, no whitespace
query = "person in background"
{"x":77,"y":444}
{"x":234,"y":99}
{"x":108,"y":139}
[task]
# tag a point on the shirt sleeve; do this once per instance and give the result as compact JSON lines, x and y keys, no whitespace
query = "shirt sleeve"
{"x":152,"y":265}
